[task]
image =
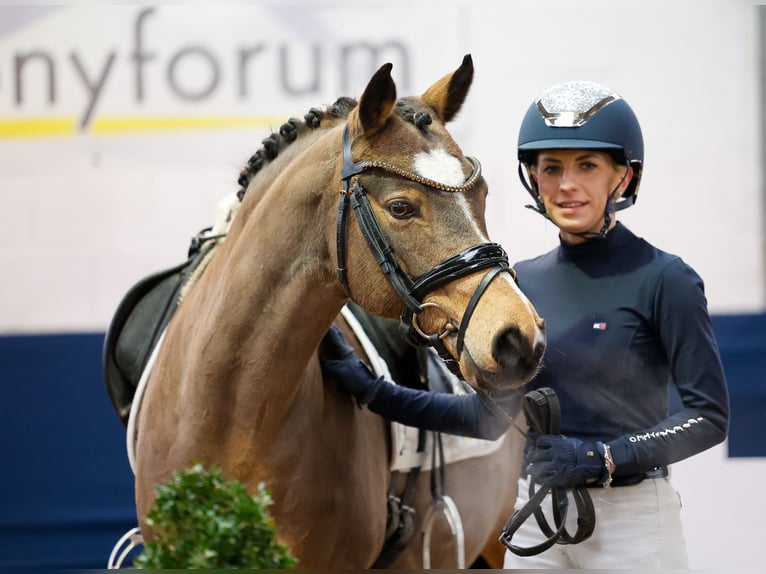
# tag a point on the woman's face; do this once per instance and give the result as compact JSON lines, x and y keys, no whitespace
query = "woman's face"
{"x":575,"y":185}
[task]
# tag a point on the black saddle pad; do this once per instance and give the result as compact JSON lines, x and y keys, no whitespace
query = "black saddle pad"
{"x":141,"y":316}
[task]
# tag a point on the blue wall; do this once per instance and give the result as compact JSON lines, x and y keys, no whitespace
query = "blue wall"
{"x":66,"y":490}
{"x":742,"y":341}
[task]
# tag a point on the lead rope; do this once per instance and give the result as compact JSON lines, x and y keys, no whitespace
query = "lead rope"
{"x":541,"y":408}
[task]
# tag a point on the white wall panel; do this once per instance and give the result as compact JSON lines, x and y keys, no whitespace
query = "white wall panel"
{"x":88,"y":207}
{"x":91,"y":209}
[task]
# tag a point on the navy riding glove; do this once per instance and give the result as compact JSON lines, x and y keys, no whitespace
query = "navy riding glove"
{"x":340,"y":363}
{"x":559,"y":461}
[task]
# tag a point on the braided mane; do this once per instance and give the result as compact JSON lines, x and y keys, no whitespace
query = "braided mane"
{"x":294,"y":127}
{"x":287,"y":134}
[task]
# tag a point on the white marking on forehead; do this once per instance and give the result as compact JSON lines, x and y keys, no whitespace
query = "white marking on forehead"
{"x":440,"y":166}
{"x":447,"y":169}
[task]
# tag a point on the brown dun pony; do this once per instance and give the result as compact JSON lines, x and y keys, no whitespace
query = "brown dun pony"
{"x":237,"y":382}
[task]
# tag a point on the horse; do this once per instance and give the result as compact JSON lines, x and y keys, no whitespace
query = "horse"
{"x":236,"y":381}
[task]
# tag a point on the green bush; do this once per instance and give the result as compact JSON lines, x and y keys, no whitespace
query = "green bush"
{"x":201,"y":520}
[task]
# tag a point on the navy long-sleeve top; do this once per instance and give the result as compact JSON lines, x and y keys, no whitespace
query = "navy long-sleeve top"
{"x":624,"y":321}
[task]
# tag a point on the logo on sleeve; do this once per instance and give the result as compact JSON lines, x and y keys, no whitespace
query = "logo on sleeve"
{"x":599,"y":326}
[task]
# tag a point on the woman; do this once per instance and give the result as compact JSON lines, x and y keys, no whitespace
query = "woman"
{"x":625,"y":321}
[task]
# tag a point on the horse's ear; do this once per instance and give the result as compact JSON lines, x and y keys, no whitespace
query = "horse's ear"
{"x":377,"y":101}
{"x":447,"y":95}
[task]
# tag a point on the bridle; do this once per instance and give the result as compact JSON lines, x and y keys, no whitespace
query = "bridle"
{"x":412,"y":291}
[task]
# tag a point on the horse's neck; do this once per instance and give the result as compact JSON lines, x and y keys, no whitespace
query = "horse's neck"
{"x":270,"y":293}
{"x":265,"y":179}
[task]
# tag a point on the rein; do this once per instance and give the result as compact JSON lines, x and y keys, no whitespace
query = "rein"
{"x":542,"y":411}
{"x":412,"y":291}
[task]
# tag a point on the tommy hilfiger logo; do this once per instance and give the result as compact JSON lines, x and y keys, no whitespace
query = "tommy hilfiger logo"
{"x":599,"y":326}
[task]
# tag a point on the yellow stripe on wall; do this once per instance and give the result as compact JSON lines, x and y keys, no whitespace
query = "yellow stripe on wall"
{"x":111,"y":125}
{"x":38,"y":127}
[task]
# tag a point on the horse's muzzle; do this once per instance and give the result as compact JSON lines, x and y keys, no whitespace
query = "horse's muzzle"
{"x":517,"y":356}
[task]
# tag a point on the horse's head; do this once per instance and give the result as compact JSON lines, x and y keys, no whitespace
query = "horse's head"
{"x":420,"y":250}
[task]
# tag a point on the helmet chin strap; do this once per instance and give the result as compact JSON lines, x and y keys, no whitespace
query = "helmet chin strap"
{"x":611,"y":207}
{"x":540,"y":206}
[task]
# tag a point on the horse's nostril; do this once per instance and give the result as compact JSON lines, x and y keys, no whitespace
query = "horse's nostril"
{"x":507,"y":348}
{"x":512,"y":351}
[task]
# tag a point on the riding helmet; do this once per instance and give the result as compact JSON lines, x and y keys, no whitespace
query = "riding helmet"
{"x":583,"y":115}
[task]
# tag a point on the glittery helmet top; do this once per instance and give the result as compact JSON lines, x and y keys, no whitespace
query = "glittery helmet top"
{"x":583,"y":115}
{"x":573,"y":103}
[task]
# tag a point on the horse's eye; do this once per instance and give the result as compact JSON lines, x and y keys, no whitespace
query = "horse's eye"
{"x":400,"y":209}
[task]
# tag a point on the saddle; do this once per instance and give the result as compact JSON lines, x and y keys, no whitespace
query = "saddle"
{"x":140,"y":319}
